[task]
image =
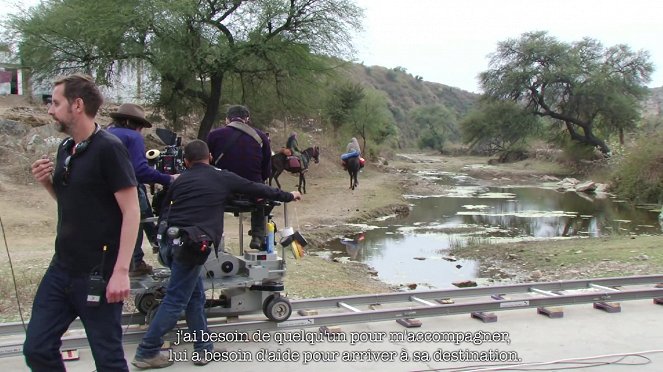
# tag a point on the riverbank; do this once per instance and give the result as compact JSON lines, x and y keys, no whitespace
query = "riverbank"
{"x":567,"y":259}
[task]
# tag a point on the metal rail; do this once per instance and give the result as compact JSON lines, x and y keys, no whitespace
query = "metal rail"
{"x":361,"y":309}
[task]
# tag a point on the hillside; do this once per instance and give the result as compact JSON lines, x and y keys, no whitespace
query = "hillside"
{"x":406,"y":92}
{"x":653,"y":106}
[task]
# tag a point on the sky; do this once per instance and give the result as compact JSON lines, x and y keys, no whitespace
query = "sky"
{"x":448,"y":41}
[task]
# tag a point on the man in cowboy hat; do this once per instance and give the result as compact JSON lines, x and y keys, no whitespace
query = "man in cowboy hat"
{"x":129,"y":120}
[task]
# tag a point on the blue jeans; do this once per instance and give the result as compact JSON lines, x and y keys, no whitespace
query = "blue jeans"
{"x":349,"y":155}
{"x":185,"y":292}
{"x":149,"y":228}
{"x":60,"y":298}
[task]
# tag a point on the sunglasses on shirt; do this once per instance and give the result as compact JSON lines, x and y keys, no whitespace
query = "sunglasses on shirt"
{"x":77,"y":151}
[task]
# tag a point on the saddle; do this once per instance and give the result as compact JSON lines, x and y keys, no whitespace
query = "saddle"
{"x":286,"y":151}
{"x":362,"y":162}
{"x":293,"y":164}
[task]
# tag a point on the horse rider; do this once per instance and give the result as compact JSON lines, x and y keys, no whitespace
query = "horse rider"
{"x":245,"y":151}
{"x":292,"y":145}
{"x":352,"y":150}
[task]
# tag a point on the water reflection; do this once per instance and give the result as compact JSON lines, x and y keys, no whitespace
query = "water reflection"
{"x":411,"y":249}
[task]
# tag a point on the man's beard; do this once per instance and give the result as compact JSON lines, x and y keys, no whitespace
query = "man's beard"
{"x":60,"y":127}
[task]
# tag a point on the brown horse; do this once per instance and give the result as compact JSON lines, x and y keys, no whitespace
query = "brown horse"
{"x":279,"y":162}
{"x":353,"y":165}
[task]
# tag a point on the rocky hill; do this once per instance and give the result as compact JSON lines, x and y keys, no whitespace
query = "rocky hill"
{"x":406,"y":91}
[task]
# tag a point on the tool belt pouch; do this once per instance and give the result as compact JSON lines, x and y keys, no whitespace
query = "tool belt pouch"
{"x":194,"y":248}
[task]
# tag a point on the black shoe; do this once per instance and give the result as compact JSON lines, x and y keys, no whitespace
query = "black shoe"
{"x":256,"y":242}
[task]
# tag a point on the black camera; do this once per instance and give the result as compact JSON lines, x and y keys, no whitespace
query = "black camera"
{"x":171,"y":159}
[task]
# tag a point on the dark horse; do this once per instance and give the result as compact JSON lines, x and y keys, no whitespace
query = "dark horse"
{"x":279,"y":164}
{"x":353,"y":169}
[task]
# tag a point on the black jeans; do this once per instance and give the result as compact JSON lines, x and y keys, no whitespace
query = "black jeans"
{"x":60,"y":298}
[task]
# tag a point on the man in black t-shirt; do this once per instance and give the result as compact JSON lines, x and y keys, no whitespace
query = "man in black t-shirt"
{"x":94,"y":185}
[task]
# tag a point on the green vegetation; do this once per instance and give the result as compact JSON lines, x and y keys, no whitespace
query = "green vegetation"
{"x":593,"y":91}
{"x":191,"y":49}
{"x":435,"y":125}
{"x":638,"y":174}
{"x":499,"y":127}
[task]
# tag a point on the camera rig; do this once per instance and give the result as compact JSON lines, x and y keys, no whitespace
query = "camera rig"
{"x":249,"y":282}
{"x":171,"y":159}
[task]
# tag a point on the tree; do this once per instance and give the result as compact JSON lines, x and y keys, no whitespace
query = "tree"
{"x":586,"y":87}
{"x":371,"y":119}
{"x":435,"y":125}
{"x":497,"y":126}
{"x":343,"y":99}
{"x":191,"y":47}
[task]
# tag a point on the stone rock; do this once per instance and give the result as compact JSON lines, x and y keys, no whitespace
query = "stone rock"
{"x":569,"y":181}
{"x":535,"y":275}
{"x":602,"y":187}
{"x":465,"y":283}
{"x":588,"y":186}
{"x":13,"y":128}
{"x":547,"y":178}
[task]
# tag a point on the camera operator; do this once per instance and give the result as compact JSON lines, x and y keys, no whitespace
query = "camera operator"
{"x":196,"y":200}
{"x":129,"y":120}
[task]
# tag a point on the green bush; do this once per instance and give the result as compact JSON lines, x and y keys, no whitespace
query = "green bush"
{"x":638,"y":175}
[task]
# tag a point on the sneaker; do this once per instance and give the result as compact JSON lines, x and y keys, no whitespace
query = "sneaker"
{"x":140,"y":269}
{"x":158,"y":361}
{"x":202,"y":361}
{"x":256,"y":243}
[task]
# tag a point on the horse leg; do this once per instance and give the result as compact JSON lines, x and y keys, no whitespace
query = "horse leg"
{"x":276,"y":178}
{"x":302,"y":183}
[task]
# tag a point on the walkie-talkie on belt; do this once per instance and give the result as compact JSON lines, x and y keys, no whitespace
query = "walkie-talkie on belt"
{"x":97,"y":284}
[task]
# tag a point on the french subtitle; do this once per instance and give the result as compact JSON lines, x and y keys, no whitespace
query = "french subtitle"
{"x":466,"y":355}
{"x":287,"y":351}
{"x":457,"y":338}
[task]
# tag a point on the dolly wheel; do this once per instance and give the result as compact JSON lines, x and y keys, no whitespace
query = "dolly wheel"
{"x":269,"y":299}
{"x":278,"y":309}
{"x":144,"y":302}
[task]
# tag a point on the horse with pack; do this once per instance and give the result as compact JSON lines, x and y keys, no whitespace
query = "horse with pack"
{"x":285,"y":160}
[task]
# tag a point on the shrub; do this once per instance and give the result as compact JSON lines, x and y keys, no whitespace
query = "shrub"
{"x":638,"y":175}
